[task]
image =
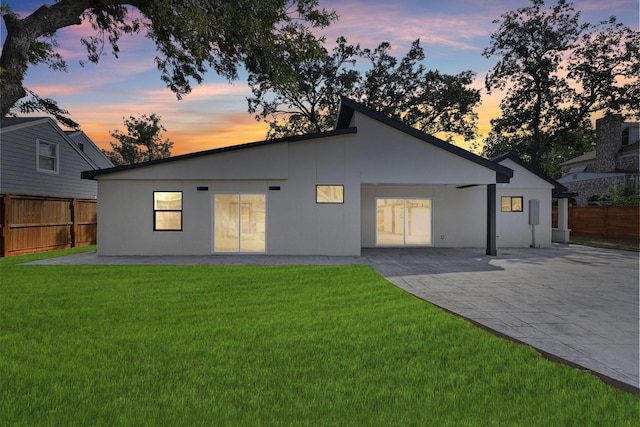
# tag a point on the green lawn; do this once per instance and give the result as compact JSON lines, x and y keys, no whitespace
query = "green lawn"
{"x":244,"y":346}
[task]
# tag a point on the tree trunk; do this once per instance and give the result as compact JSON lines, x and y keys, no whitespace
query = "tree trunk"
{"x":23,"y":33}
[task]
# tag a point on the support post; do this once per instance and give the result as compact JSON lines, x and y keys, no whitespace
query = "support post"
{"x":561,"y":234}
{"x":491,"y":220}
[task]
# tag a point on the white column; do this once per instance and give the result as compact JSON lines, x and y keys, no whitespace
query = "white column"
{"x":561,"y":234}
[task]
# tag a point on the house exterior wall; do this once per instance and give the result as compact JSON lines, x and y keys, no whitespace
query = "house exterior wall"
{"x":18,"y":165}
{"x":90,"y":149}
{"x":599,"y":184}
{"x":295,"y":223}
{"x":384,"y":155}
{"x":628,"y":161}
{"x":458,"y":216}
{"x":513,"y":228}
{"x":377,"y":161}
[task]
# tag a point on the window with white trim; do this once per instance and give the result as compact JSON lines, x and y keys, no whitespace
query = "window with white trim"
{"x":47,"y":156}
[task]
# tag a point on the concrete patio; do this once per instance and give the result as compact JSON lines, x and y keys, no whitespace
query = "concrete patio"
{"x":575,"y":304}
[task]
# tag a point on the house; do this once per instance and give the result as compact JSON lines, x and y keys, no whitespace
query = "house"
{"x":614,"y":162}
{"x":370,"y":182}
{"x":38,"y":158}
{"x":533,"y":182}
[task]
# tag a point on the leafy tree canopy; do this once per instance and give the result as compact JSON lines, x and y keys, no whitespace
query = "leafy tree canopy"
{"x":303,"y":95}
{"x":557,"y":72}
{"x":191,"y":37}
{"x":142,"y":142}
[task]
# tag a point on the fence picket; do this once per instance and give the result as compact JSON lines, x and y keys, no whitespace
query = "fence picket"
{"x":35,"y":224}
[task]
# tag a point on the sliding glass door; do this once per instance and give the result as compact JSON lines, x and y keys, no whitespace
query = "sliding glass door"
{"x":403,"y":222}
{"x":239,"y":223}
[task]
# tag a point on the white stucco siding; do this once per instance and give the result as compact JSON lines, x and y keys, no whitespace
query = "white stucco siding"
{"x":522,"y":178}
{"x":295,"y":223}
{"x":124,"y":214}
{"x":125,"y":225}
{"x":513,"y":228}
{"x":252,"y":163}
{"x":384,"y":155}
{"x":299,"y":225}
{"x":459,"y":216}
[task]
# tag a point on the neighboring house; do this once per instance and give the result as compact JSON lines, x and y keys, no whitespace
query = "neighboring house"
{"x":88,"y":147}
{"x":371,"y":182}
{"x":614,"y":162}
{"x":38,"y":158}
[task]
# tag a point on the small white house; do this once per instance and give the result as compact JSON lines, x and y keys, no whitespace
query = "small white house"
{"x":371,"y":182}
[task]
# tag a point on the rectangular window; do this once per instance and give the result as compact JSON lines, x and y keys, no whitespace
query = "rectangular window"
{"x":167,"y":210}
{"x":329,"y":193}
{"x":47,"y":157}
{"x":239,"y":222}
{"x":403,"y":222}
{"x":511,"y":204}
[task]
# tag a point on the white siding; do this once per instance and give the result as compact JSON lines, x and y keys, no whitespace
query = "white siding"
{"x":459,"y":216}
{"x":384,"y":155}
{"x":377,"y":161}
{"x":513,"y":228}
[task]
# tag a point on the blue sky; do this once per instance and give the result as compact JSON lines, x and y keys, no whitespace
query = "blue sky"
{"x":453,"y":34}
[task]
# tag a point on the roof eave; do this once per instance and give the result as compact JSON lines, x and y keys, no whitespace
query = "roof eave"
{"x":348,"y":106}
{"x":92,"y":174}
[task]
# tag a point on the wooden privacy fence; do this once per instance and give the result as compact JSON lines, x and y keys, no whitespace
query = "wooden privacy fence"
{"x":604,"y":222}
{"x":35,"y":224}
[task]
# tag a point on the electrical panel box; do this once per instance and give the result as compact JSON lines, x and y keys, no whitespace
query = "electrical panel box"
{"x":534,"y":212}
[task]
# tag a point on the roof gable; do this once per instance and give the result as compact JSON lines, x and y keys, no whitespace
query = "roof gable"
{"x":10,"y":124}
{"x":557,"y":187}
{"x":89,"y":148}
{"x":589,"y":156}
{"x":345,"y":116}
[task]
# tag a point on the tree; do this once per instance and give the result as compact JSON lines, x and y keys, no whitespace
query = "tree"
{"x":565,"y":145}
{"x":300,"y":93}
{"x":427,"y":100}
{"x":142,"y":142}
{"x":191,"y":37}
{"x":306,"y":97}
{"x":556,"y":73}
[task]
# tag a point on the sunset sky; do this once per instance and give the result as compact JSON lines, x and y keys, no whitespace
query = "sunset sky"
{"x":452,"y":32}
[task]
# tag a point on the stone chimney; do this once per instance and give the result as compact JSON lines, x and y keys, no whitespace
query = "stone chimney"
{"x":609,"y":134}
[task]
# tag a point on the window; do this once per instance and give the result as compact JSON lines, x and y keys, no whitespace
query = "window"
{"x":47,"y":157}
{"x":511,"y":204}
{"x":329,"y":193}
{"x":403,"y":222}
{"x":239,"y":222}
{"x":167,"y":210}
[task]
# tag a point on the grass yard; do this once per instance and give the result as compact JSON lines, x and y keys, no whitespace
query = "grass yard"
{"x":243,"y":346}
